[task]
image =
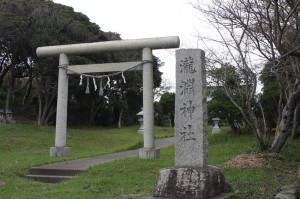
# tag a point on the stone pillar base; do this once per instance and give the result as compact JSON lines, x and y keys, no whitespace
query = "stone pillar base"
{"x":59,"y":151}
{"x":182,"y":183}
{"x":141,"y":131}
{"x":216,"y":130}
{"x":145,"y":153}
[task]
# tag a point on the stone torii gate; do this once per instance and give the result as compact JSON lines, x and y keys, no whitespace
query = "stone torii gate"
{"x":146,"y":45}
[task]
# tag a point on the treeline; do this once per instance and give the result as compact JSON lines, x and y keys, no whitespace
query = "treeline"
{"x":29,"y":84}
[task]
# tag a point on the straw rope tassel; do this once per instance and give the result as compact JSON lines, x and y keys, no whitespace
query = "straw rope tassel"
{"x":80,"y":82}
{"x":87,"y":90}
{"x":100,"y":88}
{"x":123,"y":78}
{"x":95,"y":85}
{"x":108,"y":82}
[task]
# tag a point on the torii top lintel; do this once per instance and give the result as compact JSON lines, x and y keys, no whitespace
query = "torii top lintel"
{"x":109,"y":46}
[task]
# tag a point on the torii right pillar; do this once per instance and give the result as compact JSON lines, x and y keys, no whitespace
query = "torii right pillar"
{"x":149,"y":151}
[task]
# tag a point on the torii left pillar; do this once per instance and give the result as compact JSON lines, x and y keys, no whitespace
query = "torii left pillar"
{"x":60,"y":148}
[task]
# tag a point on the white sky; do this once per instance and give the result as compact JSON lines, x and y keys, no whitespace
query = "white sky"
{"x":136,"y":19}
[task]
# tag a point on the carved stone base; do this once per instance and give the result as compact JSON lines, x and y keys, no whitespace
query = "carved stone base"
{"x":149,"y":153}
{"x":192,"y":183}
{"x":59,"y":151}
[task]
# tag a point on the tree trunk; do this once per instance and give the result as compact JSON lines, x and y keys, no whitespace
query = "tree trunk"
{"x":44,"y":107}
{"x":46,"y":112}
{"x":3,"y":73}
{"x":51,"y":113}
{"x":40,"y":102}
{"x":92,"y":114}
{"x":94,"y":111}
{"x":296,"y":123}
{"x":7,"y":99}
{"x":283,"y":134}
{"x":297,"y":134}
{"x":28,"y":90}
{"x":286,"y":119}
{"x":120,"y":118}
{"x":234,"y":127}
{"x":170,"y":123}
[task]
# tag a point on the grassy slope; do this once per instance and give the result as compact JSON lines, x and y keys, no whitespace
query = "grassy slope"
{"x":24,"y":145}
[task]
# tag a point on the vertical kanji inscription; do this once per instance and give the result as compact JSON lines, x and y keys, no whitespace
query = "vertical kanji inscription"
{"x":187,"y":87}
{"x":187,"y":65}
{"x":190,"y":109}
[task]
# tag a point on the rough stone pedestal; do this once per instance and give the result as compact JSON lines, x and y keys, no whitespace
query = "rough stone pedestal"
{"x":59,"y":151}
{"x":216,"y":130}
{"x":192,"y":183}
{"x":145,"y":153}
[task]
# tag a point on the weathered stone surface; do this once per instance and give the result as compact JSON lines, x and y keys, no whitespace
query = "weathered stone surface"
{"x":145,"y":153}
{"x":289,"y":192}
{"x":59,"y":151}
{"x":285,"y":196}
{"x":289,"y":187}
{"x":191,"y":146}
{"x":196,"y":183}
{"x":191,"y":178}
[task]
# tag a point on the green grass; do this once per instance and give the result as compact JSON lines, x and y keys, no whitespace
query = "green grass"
{"x":26,"y":145}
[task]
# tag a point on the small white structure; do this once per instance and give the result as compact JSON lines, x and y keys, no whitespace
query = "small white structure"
{"x":2,"y":119}
{"x":216,"y":129}
{"x":141,"y":121}
{"x":6,"y":116}
{"x":9,"y":117}
{"x":145,"y":45}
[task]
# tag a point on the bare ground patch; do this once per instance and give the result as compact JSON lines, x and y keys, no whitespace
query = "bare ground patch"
{"x":251,"y":160}
{"x":132,"y":196}
{"x":2,"y":184}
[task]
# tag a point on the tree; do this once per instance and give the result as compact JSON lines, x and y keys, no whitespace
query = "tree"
{"x":124,"y":93}
{"x":255,"y":33}
{"x":28,"y":24}
{"x":167,"y":104}
{"x":221,"y":106}
{"x":270,"y":96}
{"x":13,"y":60}
{"x":165,"y":86}
{"x":239,"y":85}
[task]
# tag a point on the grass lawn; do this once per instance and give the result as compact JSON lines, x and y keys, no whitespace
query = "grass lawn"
{"x":25,"y":145}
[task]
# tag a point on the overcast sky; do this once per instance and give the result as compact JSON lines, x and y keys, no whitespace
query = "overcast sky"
{"x":136,"y":19}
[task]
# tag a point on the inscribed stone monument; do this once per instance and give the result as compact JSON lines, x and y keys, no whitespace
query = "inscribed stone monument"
{"x":190,"y":110}
{"x":192,"y":177}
